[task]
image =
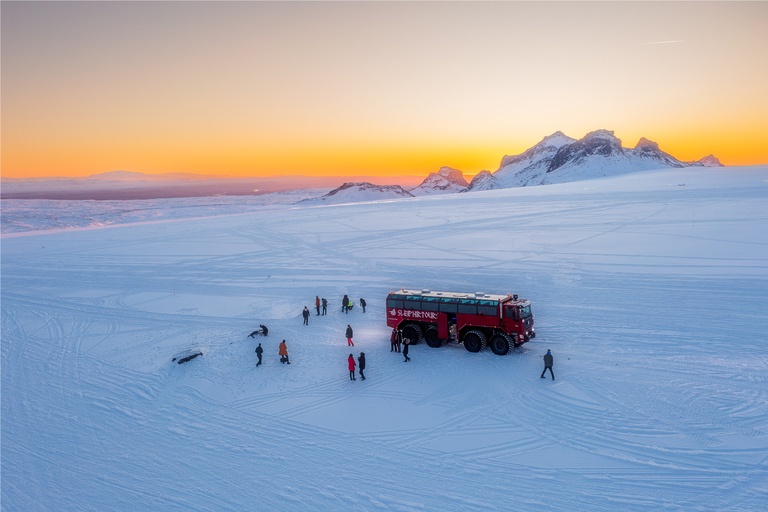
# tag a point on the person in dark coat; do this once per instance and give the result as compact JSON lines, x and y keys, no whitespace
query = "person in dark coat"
{"x":259,"y":351}
{"x":351,"y":362}
{"x":305,"y":313}
{"x":325,"y":306}
{"x":317,"y":304}
{"x":361,"y":364}
{"x":548,"y":362}
{"x":345,"y":304}
{"x":399,"y":340}
{"x":264,"y":330}
{"x":349,"y":336}
{"x":406,"y":344}
{"x":362,"y":304}
{"x":393,"y":340}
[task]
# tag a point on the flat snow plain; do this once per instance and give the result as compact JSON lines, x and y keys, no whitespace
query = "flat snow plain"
{"x":651,"y":289}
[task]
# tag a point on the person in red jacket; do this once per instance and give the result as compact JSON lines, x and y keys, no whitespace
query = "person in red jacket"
{"x":317,"y":304}
{"x":351,"y":361}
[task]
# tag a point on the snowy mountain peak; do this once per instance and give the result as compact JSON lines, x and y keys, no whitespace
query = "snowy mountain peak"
{"x":444,"y":181}
{"x":358,"y":192}
{"x":557,"y":139}
{"x":597,"y":144}
{"x":601,"y":134}
{"x":710,"y":161}
{"x":483,"y":180}
{"x":644,"y":144}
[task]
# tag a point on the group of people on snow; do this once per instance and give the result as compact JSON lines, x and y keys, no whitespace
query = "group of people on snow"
{"x":282,"y":352}
{"x":360,"y":366}
{"x":398,"y":342}
{"x":347,"y":305}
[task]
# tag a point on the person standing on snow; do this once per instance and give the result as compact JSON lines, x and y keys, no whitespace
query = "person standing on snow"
{"x":362,"y":304}
{"x":345,"y":304}
{"x":317,"y":304}
{"x":399,"y":340}
{"x":393,"y":340}
{"x":259,"y":351}
{"x":325,"y":306}
{"x":361,"y":364}
{"x":349,"y":336}
{"x":305,"y":313}
{"x":351,"y":362}
{"x":406,"y":344}
{"x":283,"y":353}
{"x":548,"y":362}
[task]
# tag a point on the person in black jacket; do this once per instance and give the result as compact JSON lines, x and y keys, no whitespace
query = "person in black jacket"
{"x":259,"y":351}
{"x":345,"y":304}
{"x":349,"y":336}
{"x":406,"y":344}
{"x":361,"y":364}
{"x":305,"y":313}
{"x":325,"y":306}
{"x":362,"y":304}
{"x":548,"y":362}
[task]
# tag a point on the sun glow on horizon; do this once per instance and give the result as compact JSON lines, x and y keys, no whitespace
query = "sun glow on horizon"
{"x":271,"y":88}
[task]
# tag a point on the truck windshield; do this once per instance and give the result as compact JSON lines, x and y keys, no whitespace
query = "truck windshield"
{"x":525,"y":311}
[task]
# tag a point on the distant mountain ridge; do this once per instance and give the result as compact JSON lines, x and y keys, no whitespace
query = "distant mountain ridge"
{"x":557,"y":158}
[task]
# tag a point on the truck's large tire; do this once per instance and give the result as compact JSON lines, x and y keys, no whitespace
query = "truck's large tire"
{"x":500,"y":343}
{"x":474,"y":341}
{"x":431,"y":337}
{"x":413,"y":332}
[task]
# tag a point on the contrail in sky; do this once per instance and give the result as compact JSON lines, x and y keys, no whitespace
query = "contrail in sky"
{"x":665,"y":42}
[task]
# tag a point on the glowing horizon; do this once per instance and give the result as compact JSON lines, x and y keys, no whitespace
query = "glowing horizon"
{"x":371,"y":88}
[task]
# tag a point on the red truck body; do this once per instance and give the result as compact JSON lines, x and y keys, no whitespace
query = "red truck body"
{"x":475,"y":319}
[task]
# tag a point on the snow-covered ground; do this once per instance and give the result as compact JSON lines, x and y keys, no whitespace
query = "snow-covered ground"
{"x":651,"y":289}
{"x":25,"y":215}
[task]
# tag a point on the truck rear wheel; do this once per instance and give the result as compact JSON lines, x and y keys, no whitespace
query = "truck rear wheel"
{"x":500,"y":344}
{"x":414,"y":333}
{"x":431,"y":337}
{"x":474,"y":341}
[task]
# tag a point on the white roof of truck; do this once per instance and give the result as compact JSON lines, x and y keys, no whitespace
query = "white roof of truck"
{"x":453,"y":295}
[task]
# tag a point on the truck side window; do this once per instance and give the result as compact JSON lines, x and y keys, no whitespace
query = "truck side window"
{"x":412,"y":304}
{"x":510,"y":312}
{"x":448,"y":308}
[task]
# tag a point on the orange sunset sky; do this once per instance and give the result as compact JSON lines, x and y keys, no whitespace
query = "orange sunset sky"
{"x":371,"y":88}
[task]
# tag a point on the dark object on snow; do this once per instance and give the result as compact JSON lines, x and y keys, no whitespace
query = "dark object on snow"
{"x":362,"y":304}
{"x":187,"y":358}
{"x":263,"y":331}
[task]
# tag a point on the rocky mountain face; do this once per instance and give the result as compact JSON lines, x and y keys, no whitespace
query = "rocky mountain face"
{"x":447,"y":180}
{"x":555,"y":159}
{"x":525,"y":168}
{"x":483,"y":180}
{"x":707,"y":161}
{"x":599,"y":153}
{"x":358,"y":192}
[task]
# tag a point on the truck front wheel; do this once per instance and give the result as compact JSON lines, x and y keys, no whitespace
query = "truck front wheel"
{"x":413,"y":332}
{"x":500,"y":344}
{"x":431,"y":337}
{"x":474,"y":341}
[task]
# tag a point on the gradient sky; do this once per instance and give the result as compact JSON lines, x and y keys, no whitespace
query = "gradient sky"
{"x":343,"y":88}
